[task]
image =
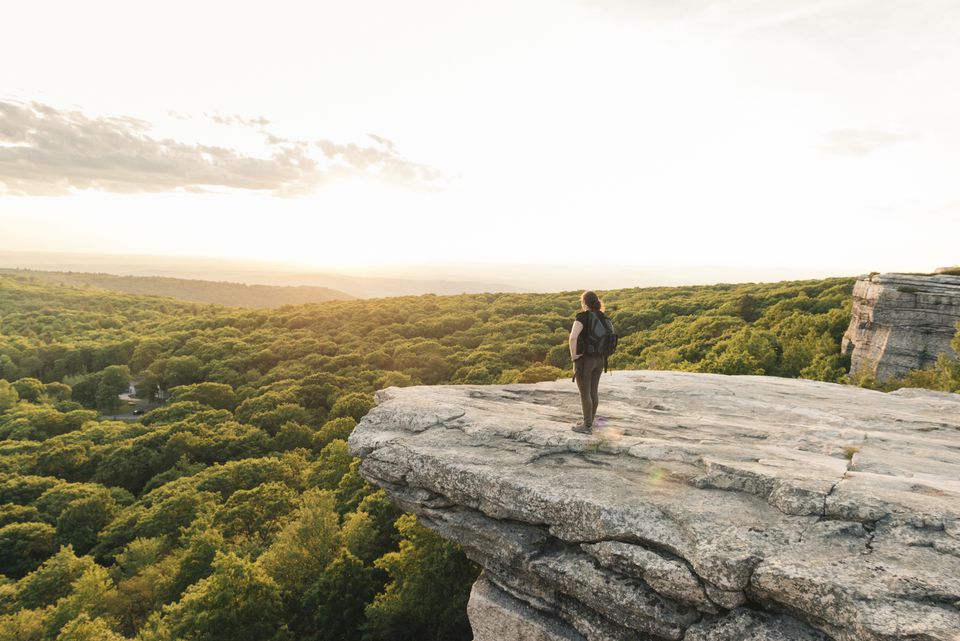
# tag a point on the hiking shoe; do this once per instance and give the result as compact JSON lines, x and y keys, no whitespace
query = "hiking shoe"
{"x":580,"y":427}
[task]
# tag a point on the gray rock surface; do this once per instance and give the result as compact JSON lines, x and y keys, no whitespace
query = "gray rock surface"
{"x":702,"y":508}
{"x":496,"y":616}
{"x":901,"y":322}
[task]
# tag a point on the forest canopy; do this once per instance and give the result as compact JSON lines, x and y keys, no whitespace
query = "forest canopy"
{"x":200,"y":291}
{"x":238,"y":488}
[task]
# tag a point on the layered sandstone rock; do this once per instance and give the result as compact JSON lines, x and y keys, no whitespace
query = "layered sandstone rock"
{"x":901,"y":322}
{"x":703,"y":508}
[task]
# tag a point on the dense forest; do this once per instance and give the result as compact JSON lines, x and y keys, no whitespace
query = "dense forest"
{"x":233,"y":510}
{"x":188,"y":289}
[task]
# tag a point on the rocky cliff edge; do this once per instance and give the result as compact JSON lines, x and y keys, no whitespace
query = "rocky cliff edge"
{"x":703,"y":508}
{"x":901,"y":322}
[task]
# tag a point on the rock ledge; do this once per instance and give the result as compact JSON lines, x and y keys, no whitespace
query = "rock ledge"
{"x":703,"y":508}
{"x":901,"y":322}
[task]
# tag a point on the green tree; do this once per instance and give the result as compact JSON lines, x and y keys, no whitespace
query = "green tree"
{"x":371,"y":531}
{"x":541,"y":372}
{"x":114,"y":380}
{"x":57,"y":497}
{"x":173,"y":412}
{"x":83,"y":628}
{"x":84,"y":391}
{"x":237,"y":602}
{"x":25,"y":489}
{"x":201,"y":545}
{"x":354,"y":405}
{"x":30,"y":390}
{"x":8,"y":396}
{"x":257,"y":512}
{"x":351,"y":489}
{"x":306,"y":545}
{"x":338,"y":428}
{"x":215,"y":395}
{"x":826,"y":367}
{"x":426,"y":361}
{"x":394,"y":379}
{"x":359,"y":536}
{"x":52,"y":580}
{"x":143,"y":577}
{"x":292,"y":436}
{"x":57,"y":391}
{"x":749,"y":351}
{"x":8,"y":369}
{"x":90,"y":595}
{"x":336,"y":600}
{"x":69,"y":461}
{"x":331,"y":466}
{"x":271,"y":420}
{"x":181,"y":370}
{"x":262,"y":403}
{"x":24,"y":546}
{"x":748,"y":308}
{"x":23,"y":625}
{"x":11,"y":513}
{"x":138,"y":556}
{"x":559,"y":355}
{"x":128,"y":465}
{"x":427,"y":595}
{"x":82,"y":520}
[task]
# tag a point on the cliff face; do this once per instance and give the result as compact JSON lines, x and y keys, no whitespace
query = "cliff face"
{"x":901,"y":322}
{"x":703,"y":508}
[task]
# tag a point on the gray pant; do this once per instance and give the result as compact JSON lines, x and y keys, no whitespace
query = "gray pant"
{"x":588,"y":369}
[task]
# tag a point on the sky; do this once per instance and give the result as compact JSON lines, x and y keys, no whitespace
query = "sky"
{"x":754,"y":134}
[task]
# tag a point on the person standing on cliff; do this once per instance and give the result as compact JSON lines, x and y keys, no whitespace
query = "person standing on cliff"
{"x":587,"y":365}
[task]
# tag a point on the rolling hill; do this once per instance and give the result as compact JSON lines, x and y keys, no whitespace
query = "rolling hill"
{"x":197,"y":291}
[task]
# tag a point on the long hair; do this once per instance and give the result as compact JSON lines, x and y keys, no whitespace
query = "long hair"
{"x":592,"y":301}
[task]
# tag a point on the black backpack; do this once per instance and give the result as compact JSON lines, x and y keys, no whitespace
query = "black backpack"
{"x":599,"y":337}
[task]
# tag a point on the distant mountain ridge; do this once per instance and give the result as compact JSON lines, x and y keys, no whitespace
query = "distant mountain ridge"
{"x":198,"y":291}
{"x":412,"y":279}
{"x":258,"y":273}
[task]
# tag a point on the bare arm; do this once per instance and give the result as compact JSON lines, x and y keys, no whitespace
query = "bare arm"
{"x":574,"y":333}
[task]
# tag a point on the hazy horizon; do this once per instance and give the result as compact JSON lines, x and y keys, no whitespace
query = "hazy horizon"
{"x":384,"y":280}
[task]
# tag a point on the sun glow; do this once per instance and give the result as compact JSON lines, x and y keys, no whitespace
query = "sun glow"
{"x":677,"y":137}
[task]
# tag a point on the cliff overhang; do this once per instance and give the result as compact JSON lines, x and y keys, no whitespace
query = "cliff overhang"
{"x":703,"y":507}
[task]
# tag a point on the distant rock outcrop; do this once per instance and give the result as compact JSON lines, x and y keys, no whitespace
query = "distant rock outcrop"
{"x":703,"y":508}
{"x":901,"y":322}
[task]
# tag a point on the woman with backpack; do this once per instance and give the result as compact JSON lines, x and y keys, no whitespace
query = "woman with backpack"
{"x":591,"y":340}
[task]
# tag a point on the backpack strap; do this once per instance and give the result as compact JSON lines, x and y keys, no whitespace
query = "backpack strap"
{"x":594,"y":319}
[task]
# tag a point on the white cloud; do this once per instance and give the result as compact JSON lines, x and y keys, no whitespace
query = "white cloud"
{"x":46,"y":151}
